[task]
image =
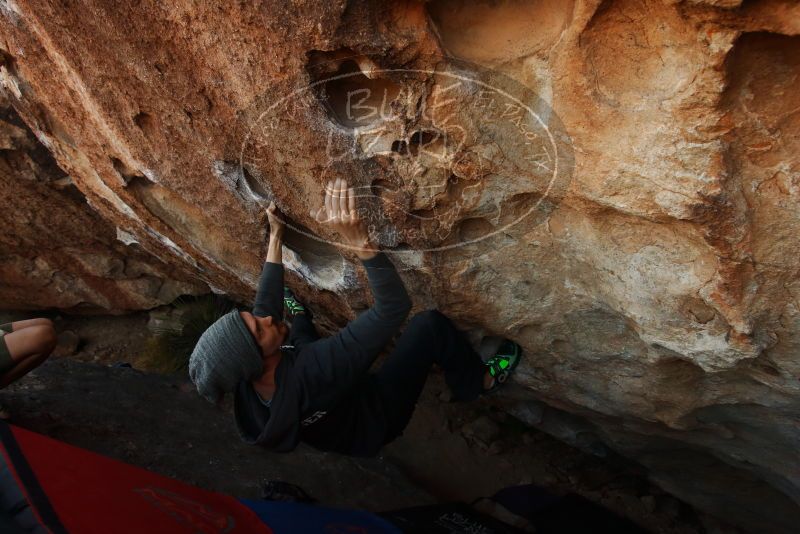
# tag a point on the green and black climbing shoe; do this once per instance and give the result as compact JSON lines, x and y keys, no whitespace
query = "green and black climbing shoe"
{"x":292,"y":306}
{"x":503,"y":363}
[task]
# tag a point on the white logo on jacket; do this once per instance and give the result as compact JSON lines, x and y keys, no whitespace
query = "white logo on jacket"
{"x":316,"y":416}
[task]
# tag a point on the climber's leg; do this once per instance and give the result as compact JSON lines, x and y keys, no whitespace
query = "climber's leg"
{"x":502,"y":364}
{"x":25,"y":348}
{"x":429,"y":338}
{"x":291,"y":305}
{"x":302,"y":331}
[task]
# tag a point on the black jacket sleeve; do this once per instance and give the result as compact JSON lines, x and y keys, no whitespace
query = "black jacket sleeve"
{"x":329,"y":367}
{"x":269,"y":298}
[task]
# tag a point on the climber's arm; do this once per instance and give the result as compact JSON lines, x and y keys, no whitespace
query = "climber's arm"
{"x":330,"y":366}
{"x":269,"y":298}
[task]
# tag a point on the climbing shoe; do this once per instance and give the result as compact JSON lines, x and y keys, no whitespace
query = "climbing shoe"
{"x":292,"y":306}
{"x":503,"y":363}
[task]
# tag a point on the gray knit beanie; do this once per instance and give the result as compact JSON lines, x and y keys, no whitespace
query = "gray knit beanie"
{"x":225,"y":355}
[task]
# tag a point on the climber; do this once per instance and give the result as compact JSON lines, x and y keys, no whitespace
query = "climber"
{"x":290,"y":385}
{"x":24,"y":345}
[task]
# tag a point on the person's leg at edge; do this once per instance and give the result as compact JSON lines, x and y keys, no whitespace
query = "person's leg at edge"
{"x":19,"y":325}
{"x":429,"y":338}
{"x":27,"y":346}
{"x":302,"y":331}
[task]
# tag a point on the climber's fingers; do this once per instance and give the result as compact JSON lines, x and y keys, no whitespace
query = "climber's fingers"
{"x":322,"y":214}
{"x":317,"y":214}
{"x":344,"y":214}
{"x":341,"y":199}
{"x":276,"y":224}
{"x":335,"y":209}
{"x":273,"y":215}
{"x":351,"y":205}
{"x":340,"y":204}
{"x":328,"y":201}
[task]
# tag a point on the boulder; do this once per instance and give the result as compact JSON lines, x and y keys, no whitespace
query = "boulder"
{"x":57,"y":252}
{"x":613,"y":184}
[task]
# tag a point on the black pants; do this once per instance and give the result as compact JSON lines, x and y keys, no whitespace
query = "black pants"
{"x":429,"y":338}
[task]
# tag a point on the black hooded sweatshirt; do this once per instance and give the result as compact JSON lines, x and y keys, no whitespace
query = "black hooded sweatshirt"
{"x":324,"y":395}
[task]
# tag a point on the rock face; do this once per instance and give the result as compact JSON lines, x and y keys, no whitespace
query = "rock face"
{"x":56,"y":251}
{"x":612,"y":184}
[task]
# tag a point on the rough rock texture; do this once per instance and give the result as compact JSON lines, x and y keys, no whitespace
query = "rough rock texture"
{"x":56,"y":251}
{"x":634,"y":227}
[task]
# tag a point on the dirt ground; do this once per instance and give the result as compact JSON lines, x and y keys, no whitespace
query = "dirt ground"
{"x":450,"y":451}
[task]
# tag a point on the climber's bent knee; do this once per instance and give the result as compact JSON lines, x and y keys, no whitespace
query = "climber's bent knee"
{"x":429,"y":318}
{"x":6,"y":362}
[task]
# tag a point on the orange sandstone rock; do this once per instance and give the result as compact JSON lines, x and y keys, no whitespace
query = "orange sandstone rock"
{"x":612,"y":184}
